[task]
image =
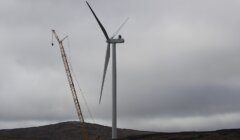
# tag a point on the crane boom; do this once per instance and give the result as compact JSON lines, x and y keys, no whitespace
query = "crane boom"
{"x":72,"y":87}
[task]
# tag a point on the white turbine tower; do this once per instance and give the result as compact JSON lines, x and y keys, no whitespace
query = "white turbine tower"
{"x":114,"y":70}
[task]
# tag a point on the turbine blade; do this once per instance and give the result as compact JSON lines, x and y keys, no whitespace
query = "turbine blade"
{"x":105,"y":70}
{"x":120,"y":27}
{"x":98,"y":21}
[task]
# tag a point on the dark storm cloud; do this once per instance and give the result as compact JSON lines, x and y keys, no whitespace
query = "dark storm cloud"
{"x":178,"y":69}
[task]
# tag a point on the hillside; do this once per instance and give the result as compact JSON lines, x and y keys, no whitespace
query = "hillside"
{"x":71,"y":131}
{"x":63,"y":131}
{"x":230,"y":134}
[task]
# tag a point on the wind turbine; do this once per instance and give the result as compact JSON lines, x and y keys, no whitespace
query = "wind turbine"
{"x":110,"y":41}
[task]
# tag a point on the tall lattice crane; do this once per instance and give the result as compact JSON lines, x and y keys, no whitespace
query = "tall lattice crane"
{"x":72,"y":87}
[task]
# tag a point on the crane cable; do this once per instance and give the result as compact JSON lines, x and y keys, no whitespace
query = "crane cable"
{"x":98,"y":137}
{"x":74,"y":77}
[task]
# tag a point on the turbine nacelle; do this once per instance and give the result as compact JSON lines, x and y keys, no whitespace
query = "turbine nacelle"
{"x":114,"y":41}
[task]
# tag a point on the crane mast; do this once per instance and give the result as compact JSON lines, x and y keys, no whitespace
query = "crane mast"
{"x":72,"y":87}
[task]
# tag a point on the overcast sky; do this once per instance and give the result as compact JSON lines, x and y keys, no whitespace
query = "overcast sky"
{"x":178,"y":70}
